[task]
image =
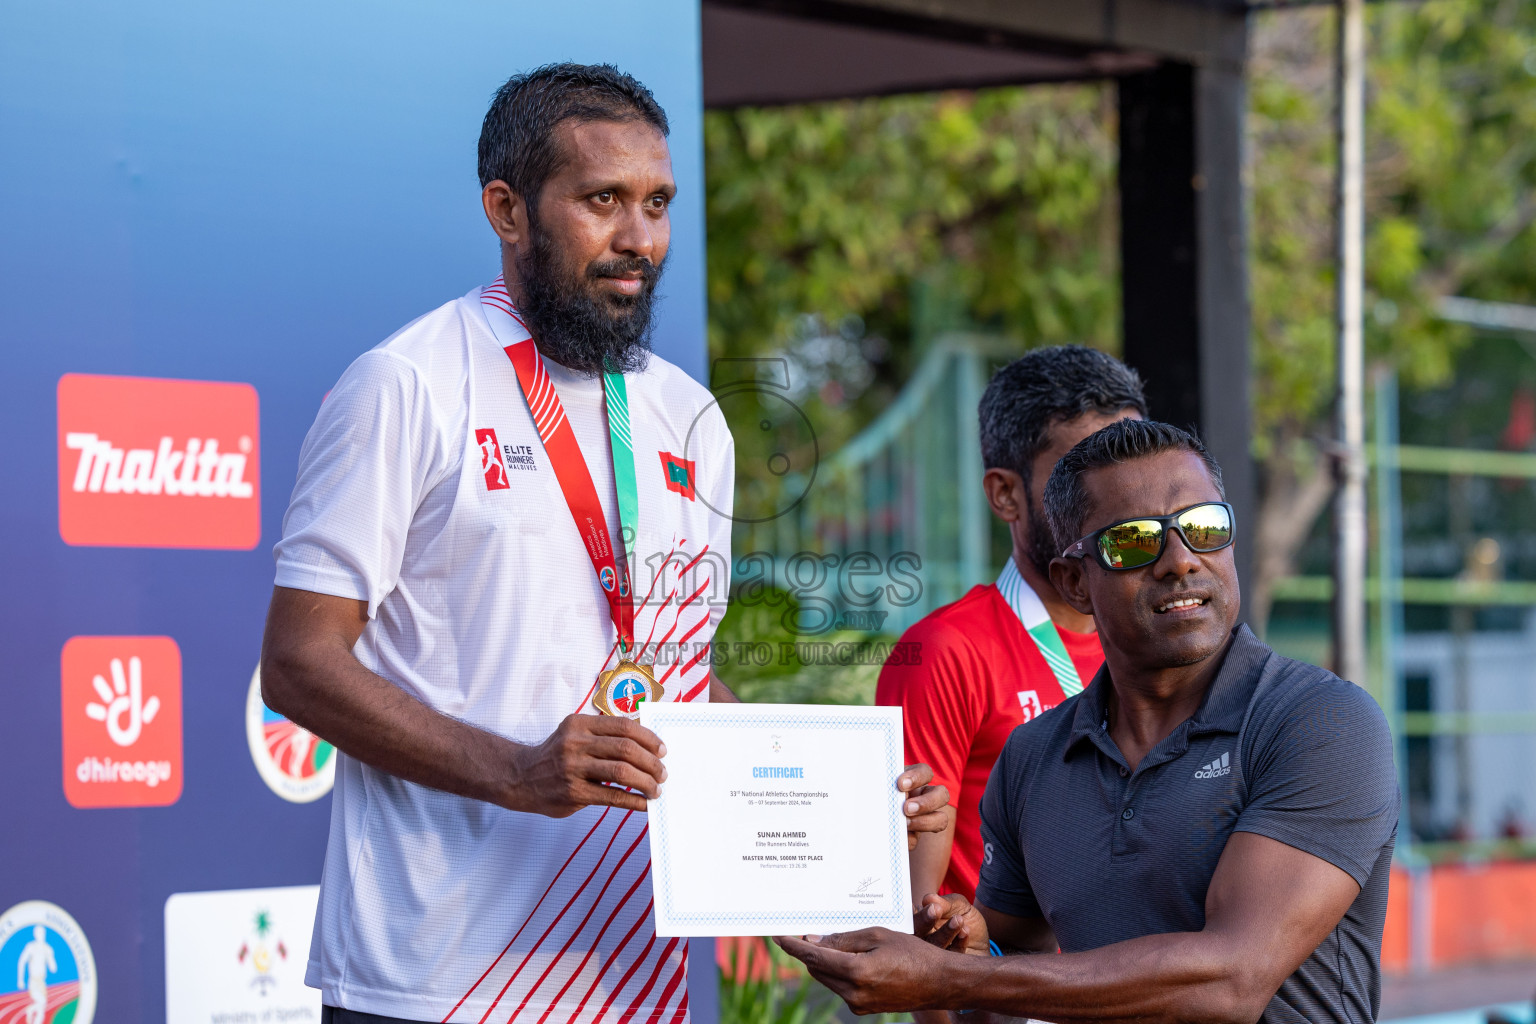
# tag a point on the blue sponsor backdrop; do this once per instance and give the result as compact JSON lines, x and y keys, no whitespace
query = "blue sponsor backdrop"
{"x":241,"y":192}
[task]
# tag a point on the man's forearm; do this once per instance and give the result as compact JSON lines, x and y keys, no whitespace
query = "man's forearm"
{"x":930,"y":860}
{"x":330,"y":693}
{"x":1181,"y":976}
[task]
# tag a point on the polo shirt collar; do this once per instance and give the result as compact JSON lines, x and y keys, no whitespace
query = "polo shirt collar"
{"x":1222,"y":710}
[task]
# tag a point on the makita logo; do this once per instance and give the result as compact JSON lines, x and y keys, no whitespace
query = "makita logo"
{"x":158,"y":463}
{"x":197,"y":470}
{"x":1217,"y":768}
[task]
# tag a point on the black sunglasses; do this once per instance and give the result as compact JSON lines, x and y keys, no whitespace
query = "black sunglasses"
{"x":1134,"y":543}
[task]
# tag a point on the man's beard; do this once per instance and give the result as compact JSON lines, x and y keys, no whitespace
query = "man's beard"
{"x":574,"y":327}
{"x":1041,"y":547}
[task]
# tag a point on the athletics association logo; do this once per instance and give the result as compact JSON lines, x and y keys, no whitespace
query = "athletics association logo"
{"x":679,"y":474}
{"x":621,"y":690}
{"x":491,"y":465}
{"x":43,"y":948}
{"x":122,"y":721}
{"x":158,"y":463}
{"x":295,"y":764}
{"x":605,"y":577}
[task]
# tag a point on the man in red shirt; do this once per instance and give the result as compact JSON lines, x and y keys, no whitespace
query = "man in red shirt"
{"x":1010,"y":650}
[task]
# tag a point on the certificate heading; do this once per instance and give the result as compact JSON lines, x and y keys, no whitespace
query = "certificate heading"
{"x":777,"y":772}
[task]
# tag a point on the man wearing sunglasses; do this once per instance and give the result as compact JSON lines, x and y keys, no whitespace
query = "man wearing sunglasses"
{"x":1205,"y":832}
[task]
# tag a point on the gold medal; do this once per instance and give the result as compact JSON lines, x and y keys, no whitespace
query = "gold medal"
{"x":622,"y":689}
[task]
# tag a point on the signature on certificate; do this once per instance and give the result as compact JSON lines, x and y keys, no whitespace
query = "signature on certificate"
{"x":864,"y":885}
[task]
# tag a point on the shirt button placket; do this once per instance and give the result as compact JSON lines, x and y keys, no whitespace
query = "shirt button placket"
{"x":1121,"y":846}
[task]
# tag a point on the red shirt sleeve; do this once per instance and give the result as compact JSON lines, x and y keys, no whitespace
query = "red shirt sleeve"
{"x":940,"y":712}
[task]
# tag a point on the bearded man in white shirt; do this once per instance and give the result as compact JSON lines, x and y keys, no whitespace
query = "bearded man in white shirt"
{"x":510,"y":515}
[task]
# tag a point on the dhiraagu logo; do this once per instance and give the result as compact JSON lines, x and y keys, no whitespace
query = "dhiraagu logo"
{"x":295,"y":764}
{"x":44,"y":954}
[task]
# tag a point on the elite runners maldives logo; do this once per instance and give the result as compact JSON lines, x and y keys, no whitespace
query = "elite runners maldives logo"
{"x":294,"y":763}
{"x":490,"y":460}
{"x":45,"y":951}
{"x":158,"y":463}
{"x":1029,"y":703}
{"x":122,"y":721}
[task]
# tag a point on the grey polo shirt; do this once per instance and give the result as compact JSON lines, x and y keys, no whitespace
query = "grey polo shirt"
{"x":1279,"y":748}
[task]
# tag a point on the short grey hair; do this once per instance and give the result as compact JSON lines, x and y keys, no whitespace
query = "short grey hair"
{"x":1065,"y":499}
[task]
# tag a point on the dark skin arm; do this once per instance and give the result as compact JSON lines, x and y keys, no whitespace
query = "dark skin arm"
{"x":930,"y":858}
{"x":310,"y":675}
{"x":1268,"y":907}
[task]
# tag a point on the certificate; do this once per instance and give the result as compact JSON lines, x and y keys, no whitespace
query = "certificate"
{"x":778,"y":819}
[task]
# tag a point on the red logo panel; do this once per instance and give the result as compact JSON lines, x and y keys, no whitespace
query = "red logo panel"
{"x":122,"y":721}
{"x":148,"y":463}
{"x":491,"y":463}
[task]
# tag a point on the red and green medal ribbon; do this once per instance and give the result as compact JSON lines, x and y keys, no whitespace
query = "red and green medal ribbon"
{"x":575,"y":479}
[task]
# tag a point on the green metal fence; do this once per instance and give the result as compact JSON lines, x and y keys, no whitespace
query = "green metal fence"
{"x":1390,"y":593}
{"x":905,"y":492}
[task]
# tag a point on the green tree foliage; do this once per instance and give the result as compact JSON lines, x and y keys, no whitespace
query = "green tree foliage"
{"x":868,"y":225}
{"x":1000,"y":198}
{"x":996,"y":209}
{"x":1450,"y":198}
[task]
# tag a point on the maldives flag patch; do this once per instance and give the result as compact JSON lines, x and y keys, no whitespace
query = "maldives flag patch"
{"x":679,"y":474}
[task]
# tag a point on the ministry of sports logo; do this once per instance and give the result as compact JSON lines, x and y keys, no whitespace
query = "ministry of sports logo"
{"x":45,"y":951}
{"x":264,"y":949}
{"x":1217,"y":768}
{"x":295,"y":764}
{"x":239,"y":955}
{"x":158,"y":463}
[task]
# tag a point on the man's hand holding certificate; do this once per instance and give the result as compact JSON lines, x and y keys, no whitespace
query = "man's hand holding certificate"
{"x":780,"y":819}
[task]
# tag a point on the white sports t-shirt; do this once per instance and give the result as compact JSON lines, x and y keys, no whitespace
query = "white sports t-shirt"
{"x":423,"y":489}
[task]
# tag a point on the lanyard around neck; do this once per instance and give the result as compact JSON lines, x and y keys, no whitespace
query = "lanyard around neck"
{"x":559,"y":440}
{"x":1026,"y":604}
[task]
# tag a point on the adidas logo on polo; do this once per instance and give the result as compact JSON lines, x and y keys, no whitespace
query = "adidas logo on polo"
{"x":1217,"y":768}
